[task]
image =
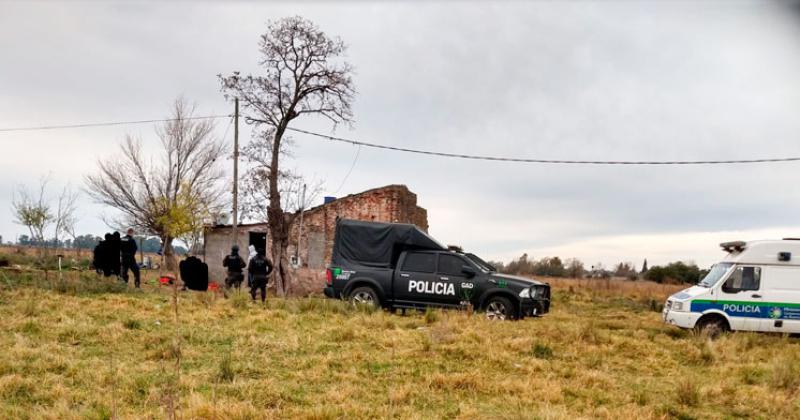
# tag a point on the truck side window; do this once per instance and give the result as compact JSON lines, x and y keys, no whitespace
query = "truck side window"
{"x":743,"y":278}
{"x":450,"y":264}
{"x":419,"y":262}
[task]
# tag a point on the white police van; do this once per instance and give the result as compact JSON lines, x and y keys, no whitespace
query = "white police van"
{"x":756,"y":287}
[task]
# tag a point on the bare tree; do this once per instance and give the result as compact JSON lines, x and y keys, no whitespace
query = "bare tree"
{"x":70,"y":226}
{"x":170,"y":197}
{"x":302,"y":75}
{"x":255,"y":185}
{"x":64,"y":219}
{"x":32,"y":211}
{"x":574,"y":268}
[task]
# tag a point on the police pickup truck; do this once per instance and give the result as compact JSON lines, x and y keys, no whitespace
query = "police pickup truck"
{"x":394,"y":265}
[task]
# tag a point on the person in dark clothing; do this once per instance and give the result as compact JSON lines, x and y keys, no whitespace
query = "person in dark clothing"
{"x":105,"y":255}
{"x":194,"y":273}
{"x":114,"y":249}
{"x":260,"y":269}
{"x":128,"y":250}
{"x":98,"y":260}
{"x":235,"y":264}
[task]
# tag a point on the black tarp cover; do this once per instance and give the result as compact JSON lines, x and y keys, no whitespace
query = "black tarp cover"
{"x":375,"y":244}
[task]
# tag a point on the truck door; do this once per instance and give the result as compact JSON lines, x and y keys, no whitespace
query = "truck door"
{"x":414,"y":278}
{"x":741,"y":299}
{"x":449,"y":271}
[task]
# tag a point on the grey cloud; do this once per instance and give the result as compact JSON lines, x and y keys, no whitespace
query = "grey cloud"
{"x":626,"y":80}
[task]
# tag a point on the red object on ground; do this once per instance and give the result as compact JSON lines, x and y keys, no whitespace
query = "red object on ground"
{"x":213,"y":286}
{"x":166,"y":280}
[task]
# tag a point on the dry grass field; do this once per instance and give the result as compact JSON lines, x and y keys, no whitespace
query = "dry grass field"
{"x":89,"y":348}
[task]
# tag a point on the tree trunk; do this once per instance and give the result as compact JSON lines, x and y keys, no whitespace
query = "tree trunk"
{"x":279,"y":233}
{"x":278,"y":223}
{"x":170,"y":263}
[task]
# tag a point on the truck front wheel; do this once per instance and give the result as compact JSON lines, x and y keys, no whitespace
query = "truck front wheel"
{"x":499,"y":308}
{"x":712,"y":326}
{"x":365,"y":295}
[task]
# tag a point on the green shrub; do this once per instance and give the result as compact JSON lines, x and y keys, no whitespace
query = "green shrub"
{"x":132,"y":324}
{"x":688,"y":393}
{"x":786,"y":374}
{"x":542,"y":351}
{"x":431,"y":315}
{"x":225,"y":371}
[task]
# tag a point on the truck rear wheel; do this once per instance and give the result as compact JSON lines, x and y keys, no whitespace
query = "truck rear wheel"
{"x":499,"y":308}
{"x":365,"y":295}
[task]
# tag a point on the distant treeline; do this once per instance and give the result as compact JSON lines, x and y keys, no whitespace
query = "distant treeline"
{"x":146,"y":244}
{"x":675,"y":272}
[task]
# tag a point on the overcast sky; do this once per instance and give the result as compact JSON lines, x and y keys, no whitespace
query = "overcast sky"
{"x":552,"y":80}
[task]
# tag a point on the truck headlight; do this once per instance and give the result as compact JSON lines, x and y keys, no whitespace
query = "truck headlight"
{"x":677,"y":306}
{"x":528,"y":292}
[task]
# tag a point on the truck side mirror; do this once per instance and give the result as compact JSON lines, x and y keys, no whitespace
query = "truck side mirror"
{"x":468,"y":271}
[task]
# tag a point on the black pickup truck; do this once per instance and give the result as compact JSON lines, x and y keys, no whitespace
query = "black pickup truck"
{"x":394,"y":265}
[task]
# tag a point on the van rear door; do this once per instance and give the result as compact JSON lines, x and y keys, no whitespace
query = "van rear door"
{"x":780,"y":292}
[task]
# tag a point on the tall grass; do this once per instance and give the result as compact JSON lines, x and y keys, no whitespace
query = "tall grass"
{"x":599,"y":354}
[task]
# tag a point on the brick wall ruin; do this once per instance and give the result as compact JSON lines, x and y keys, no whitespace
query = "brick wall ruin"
{"x":392,"y":203}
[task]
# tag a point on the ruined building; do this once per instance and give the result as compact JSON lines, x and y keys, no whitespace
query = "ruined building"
{"x":392,"y":203}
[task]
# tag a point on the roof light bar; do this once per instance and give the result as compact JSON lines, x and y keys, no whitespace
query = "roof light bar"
{"x":734,"y":246}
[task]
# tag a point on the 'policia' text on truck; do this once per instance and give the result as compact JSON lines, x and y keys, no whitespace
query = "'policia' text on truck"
{"x":393,"y":266}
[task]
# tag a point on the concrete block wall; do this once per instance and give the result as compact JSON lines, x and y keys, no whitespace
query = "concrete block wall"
{"x":217,"y":244}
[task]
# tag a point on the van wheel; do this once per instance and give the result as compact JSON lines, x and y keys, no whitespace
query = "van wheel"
{"x":712,"y":327}
{"x":499,"y":308}
{"x":365,"y":296}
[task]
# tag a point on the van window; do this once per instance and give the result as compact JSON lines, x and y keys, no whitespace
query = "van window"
{"x":743,"y":278}
{"x":716,"y":273}
{"x":450,"y":264}
{"x":419,"y":262}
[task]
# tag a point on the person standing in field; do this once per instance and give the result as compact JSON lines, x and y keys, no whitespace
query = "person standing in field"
{"x":252,"y":251}
{"x":128,"y":250}
{"x":235,"y":264}
{"x":260,"y":269}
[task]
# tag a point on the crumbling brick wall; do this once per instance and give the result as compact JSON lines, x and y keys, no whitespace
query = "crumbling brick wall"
{"x":392,"y":203}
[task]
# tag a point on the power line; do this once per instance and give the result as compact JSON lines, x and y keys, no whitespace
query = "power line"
{"x":547,"y":161}
{"x":228,"y":127}
{"x":429,"y":152}
{"x":353,"y":165}
{"x":106,"y":124}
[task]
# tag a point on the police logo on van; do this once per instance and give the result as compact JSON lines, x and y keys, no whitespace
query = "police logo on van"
{"x":775,"y":313}
{"x":433,"y":287}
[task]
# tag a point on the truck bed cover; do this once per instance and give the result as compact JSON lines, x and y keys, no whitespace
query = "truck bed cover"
{"x":374,"y":244}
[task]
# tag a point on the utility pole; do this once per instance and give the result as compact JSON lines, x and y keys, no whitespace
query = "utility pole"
{"x":300,"y":229}
{"x":235,"y":168}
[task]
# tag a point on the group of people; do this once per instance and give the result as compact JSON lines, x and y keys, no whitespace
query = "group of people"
{"x":258,"y":270}
{"x":115,"y":255}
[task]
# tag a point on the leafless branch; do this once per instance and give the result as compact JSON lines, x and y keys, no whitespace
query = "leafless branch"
{"x":184,"y":174}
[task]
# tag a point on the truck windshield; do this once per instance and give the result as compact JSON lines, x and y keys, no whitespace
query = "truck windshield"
{"x":716,"y":273}
{"x":481,"y":263}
